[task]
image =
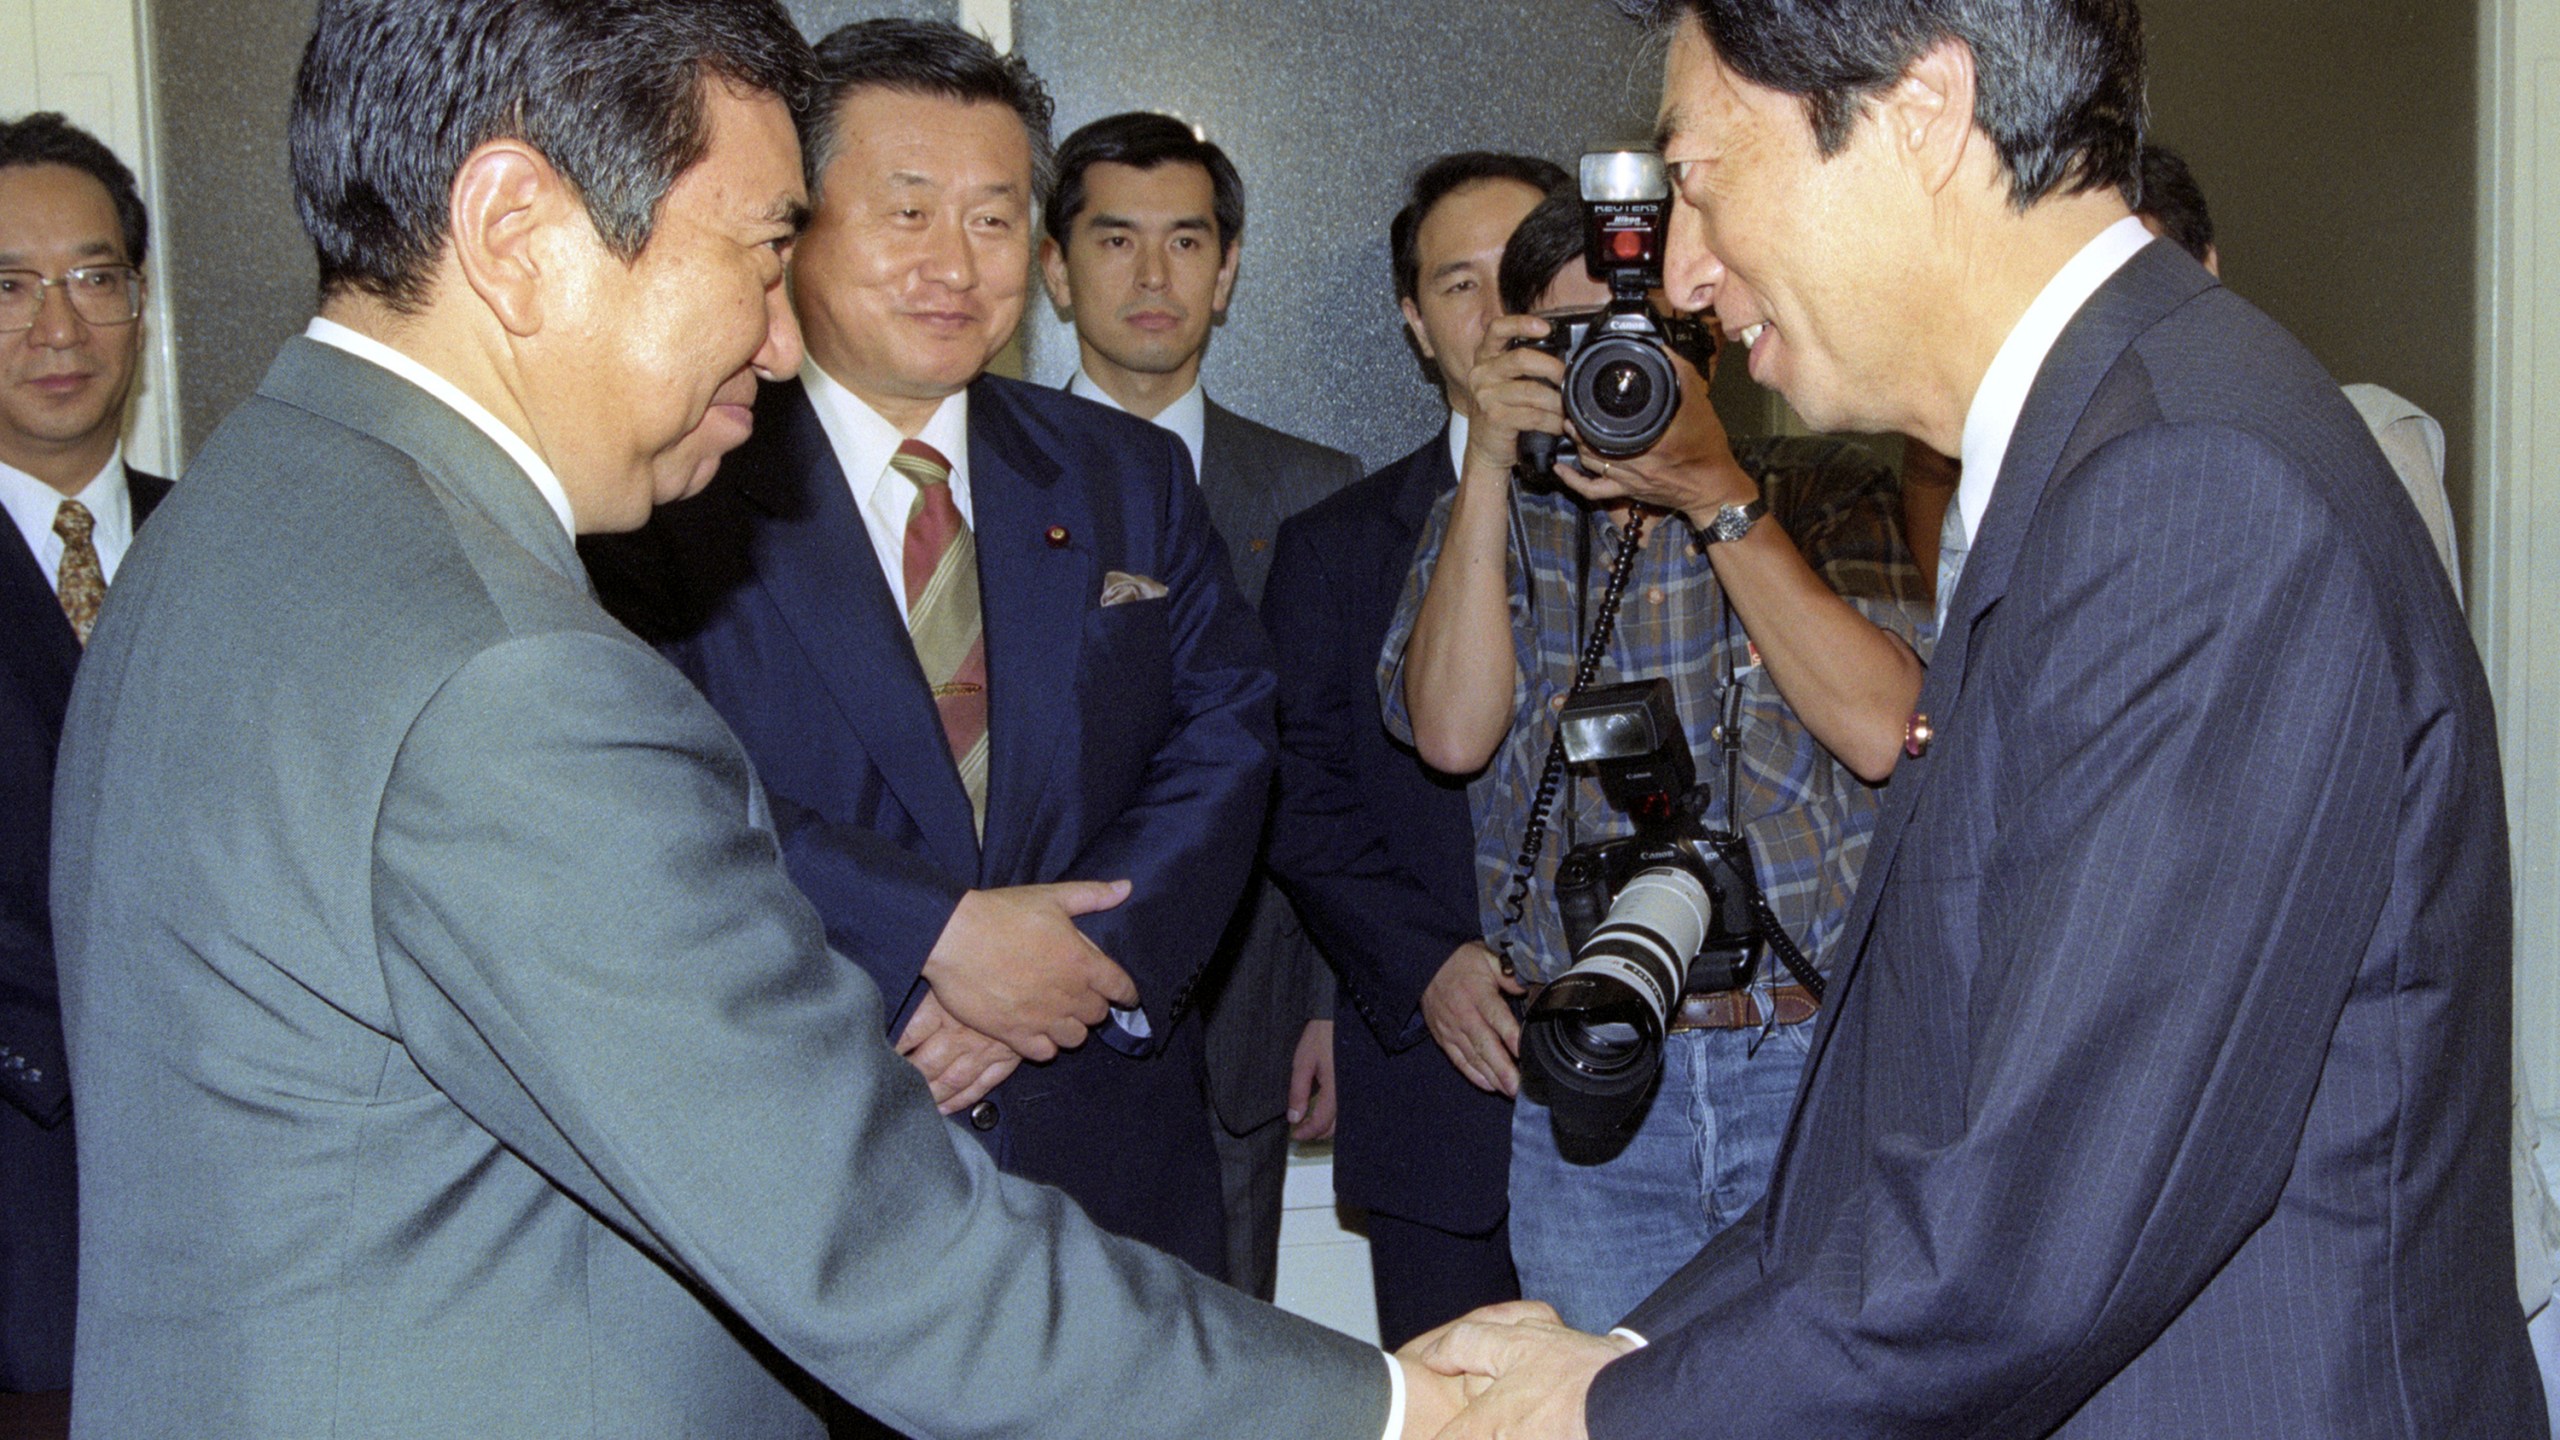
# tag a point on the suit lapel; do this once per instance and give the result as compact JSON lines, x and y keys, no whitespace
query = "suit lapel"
{"x":147,"y":492}
{"x":814,"y":561}
{"x":2155,"y":281}
{"x":1036,"y":595}
{"x":1242,"y":494}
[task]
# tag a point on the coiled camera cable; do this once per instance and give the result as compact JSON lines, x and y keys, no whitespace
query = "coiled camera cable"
{"x":1604,"y":625}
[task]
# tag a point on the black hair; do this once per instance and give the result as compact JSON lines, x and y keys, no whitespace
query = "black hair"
{"x":2172,"y":199}
{"x":46,"y":138}
{"x":1143,"y":141}
{"x":1557,"y":234}
{"x":1445,"y":177}
{"x":922,"y":57}
{"x":1547,"y":239}
{"x":2058,"y":84}
{"x":394,"y":95}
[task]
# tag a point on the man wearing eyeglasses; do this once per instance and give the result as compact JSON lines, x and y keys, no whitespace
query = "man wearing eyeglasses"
{"x":72,"y":232}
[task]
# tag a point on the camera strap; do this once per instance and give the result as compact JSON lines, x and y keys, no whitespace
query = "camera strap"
{"x":1728,"y":843}
{"x":1551,"y":776}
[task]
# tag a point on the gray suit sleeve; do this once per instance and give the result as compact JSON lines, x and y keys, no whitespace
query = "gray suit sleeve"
{"x":591,"y":945}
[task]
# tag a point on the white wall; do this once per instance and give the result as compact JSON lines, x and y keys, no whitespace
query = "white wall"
{"x":86,"y":58}
{"x":2516,"y":553}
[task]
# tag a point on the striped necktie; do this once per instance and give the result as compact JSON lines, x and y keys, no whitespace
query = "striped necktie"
{"x":81,"y":583}
{"x":943,"y":619}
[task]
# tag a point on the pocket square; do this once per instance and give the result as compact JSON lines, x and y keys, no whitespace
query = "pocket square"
{"x":1119,"y":587}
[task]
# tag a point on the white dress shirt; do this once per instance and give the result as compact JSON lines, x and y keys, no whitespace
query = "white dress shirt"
{"x":1457,"y":443}
{"x":1993,"y":418}
{"x":1187,"y":417}
{"x":864,"y":443}
{"x":32,"y":504}
{"x":535,"y":468}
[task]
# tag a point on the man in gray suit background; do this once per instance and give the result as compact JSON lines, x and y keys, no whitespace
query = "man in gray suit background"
{"x":1146,"y":228}
{"x":453,"y":1052}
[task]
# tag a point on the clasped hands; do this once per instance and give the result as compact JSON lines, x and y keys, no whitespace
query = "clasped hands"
{"x":1012,"y":979}
{"x":1505,"y":1372}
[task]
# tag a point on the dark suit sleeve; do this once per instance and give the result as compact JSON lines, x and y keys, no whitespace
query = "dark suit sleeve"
{"x":1186,"y":840}
{"x":1330,"y":849}
{"x":886,"y":906}
{"x":2198,"y":799}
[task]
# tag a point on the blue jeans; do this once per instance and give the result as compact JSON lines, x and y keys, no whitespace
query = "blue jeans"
{"x":1593,"y":1239}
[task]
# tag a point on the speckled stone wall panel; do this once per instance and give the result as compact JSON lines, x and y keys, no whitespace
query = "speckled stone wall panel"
{"x":240,"y":271}
{"x":1328,"y":107}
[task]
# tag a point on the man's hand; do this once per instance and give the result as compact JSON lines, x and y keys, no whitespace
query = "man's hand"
{"x":1539,"y":1371}
{"x":1311,"y":1107}
{"x":1516,"y":390}
{"x":1012,"y":965}
{"x":1692,"y":469}
{"x":1468,"y":1008}
{"x":960,"y":1064}
{"x":1431,"y":1399}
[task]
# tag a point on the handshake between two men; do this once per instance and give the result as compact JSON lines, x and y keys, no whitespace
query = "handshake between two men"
{"x":1505,"y":1372}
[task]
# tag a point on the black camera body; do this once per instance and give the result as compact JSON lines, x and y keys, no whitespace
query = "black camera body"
{"x":1650,"y":916}
{"x":1620,"y":390}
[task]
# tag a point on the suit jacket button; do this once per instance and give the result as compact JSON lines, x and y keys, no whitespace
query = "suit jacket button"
{"x":982,"y":1116}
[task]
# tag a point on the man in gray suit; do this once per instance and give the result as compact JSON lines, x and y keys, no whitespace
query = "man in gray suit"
{"x":454,"y":1055}
{"x":1146,"y":225}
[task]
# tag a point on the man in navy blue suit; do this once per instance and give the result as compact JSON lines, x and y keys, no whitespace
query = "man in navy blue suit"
{"x":72,"y":239}
{"x":1373,"y":847}
{"x":985,"y":651}
{"x":2161,"y":1086}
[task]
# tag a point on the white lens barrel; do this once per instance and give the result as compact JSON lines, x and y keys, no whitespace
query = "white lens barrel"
{"x":1657,"y":924}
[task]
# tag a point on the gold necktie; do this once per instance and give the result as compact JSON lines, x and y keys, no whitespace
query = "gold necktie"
{"x":81,"y":585}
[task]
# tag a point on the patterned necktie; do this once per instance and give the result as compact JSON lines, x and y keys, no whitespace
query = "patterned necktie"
{"x":80,"y":583}
{"x":1952,"y":546}
{"x":943,"y":619}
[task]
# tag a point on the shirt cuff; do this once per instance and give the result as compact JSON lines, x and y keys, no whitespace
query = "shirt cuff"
{"x":1395,"y":1398}
{"x":1631,"y":1337}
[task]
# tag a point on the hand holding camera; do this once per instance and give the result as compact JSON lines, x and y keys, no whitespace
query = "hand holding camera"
{"x":1610,"y":398}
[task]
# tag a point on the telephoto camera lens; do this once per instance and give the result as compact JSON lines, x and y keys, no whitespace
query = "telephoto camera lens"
{"x":1593,"y":1039}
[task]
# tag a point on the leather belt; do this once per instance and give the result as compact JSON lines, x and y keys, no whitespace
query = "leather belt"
{"x":1740,"y":1010}
{"x":1728,"y":1009}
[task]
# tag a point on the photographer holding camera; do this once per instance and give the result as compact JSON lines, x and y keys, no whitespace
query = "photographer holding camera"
{"x":1782,"y":688}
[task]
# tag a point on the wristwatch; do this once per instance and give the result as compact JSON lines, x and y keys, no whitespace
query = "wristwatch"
{"x":1732,"y":522}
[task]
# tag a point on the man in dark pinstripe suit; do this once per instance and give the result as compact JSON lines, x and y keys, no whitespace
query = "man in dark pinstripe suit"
{"x":2161,"y":1088}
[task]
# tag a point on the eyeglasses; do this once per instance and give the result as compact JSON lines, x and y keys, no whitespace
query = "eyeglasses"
{"x":99,"y":295}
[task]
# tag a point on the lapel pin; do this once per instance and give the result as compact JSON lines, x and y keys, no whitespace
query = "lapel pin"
{"x":1259,"y":544}
{"x":1057,"y":537}
{"x":1917,"y":732}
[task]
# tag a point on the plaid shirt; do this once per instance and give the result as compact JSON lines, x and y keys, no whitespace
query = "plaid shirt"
{"x":1807,"y":817}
